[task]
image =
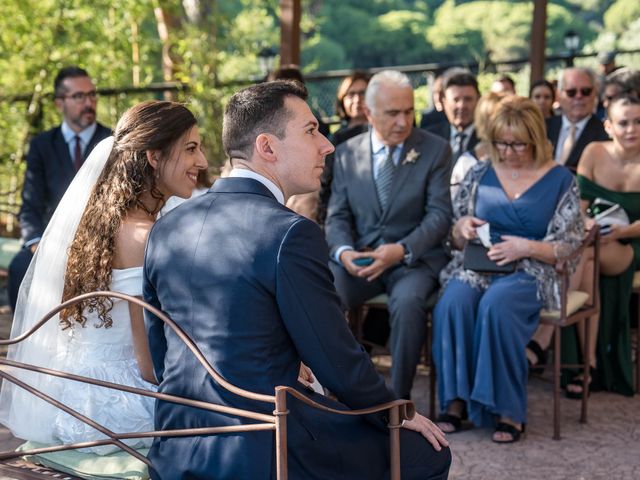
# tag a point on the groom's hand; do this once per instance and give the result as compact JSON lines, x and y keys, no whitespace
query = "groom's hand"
{"x":428,"y":430}
{"x":385,"y":256}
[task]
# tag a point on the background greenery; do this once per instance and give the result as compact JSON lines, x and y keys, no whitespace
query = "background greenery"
{"x":211,"y":43}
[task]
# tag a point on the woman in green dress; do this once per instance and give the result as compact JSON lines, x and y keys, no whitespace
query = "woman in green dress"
{"x":611,"y":171}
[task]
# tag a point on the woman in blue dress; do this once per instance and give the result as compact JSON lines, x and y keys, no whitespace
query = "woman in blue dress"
{"x":482,"y":323}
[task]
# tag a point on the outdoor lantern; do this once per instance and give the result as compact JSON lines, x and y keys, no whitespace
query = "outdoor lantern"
{"x":571,"y":41}
{"x":266,"y":57}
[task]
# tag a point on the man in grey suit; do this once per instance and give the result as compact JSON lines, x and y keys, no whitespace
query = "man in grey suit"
{"x":390,"y":206}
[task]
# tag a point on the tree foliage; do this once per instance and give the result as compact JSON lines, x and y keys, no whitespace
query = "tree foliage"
{"x":212,"y":43}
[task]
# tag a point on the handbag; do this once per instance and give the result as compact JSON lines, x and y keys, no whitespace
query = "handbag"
{"x":476,"y":259}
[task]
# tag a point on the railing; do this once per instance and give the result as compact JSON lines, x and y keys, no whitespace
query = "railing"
{"x":400,"y":410}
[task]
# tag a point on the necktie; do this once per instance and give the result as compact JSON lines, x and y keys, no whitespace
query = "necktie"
{"x":568,"y":144}
{"x":385,"y":178}
{"x":77,"y":156}
{"x":459,"y":146}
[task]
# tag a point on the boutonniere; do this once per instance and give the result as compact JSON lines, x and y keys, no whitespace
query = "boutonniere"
{"x":411,"y":157}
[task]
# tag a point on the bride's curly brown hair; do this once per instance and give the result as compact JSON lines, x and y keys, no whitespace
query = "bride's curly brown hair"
{"x":151,"y":125}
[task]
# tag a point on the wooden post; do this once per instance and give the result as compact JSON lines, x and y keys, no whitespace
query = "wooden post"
{"x":538,"y":40}
{"x":394,"y":442}
{"x":290,"y":12}
{"x":281,"y":433}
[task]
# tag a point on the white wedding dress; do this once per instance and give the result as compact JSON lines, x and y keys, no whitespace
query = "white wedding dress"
{"x":105,"y":354}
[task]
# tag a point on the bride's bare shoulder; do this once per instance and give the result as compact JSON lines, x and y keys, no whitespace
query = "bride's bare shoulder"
{"x":131,"y":241}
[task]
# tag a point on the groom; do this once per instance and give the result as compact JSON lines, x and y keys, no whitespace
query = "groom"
{"x":248,"y":280}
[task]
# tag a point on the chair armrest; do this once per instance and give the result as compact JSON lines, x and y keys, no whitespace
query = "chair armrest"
{"x":406,"y":407}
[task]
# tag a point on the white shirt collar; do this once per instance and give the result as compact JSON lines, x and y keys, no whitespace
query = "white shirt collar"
{"x":377,"y":146}
{"x":579,"y":124}
{"x":244,"y":173}
{"x":85,"y":135}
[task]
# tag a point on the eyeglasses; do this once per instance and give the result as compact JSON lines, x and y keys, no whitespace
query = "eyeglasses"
{"x":517,"y":147}
{"x":80,"y":97}
{"x":585,"y":91}
{"x":354,"y":94}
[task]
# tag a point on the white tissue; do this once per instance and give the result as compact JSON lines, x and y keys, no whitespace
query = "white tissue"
{"x":484,"y":235}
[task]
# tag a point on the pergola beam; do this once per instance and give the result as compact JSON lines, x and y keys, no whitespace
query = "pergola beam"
{"x":538,"y":40}
{"x":290,"y":12}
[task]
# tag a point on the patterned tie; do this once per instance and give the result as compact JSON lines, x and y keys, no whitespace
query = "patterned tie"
{"x":459,"y":146}
{"x":77,"y":156}
{"x":568,"y":144}
{"x":385,"y":178}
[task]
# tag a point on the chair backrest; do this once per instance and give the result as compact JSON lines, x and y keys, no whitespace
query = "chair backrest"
{"x":399,"y":409}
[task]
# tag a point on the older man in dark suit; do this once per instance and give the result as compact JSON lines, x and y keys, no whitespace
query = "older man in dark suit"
{"x":53,"y":159}
{"x":390,"y":205}
{"x":248,"y":280}
{"x":578,"y":126}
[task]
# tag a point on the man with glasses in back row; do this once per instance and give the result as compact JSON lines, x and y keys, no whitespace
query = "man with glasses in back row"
{"x":578,"y":126}
{"x":53,"y":159}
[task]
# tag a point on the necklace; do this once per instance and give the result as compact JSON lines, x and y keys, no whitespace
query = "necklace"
{"x":515,"y":175}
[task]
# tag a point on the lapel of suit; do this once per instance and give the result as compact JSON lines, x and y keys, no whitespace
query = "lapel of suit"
{"x":553,"y":131}
{"x":588,"y":135}
{"x":403,"y":171}
{"x":363,"y":163}
{"x":65,"y":163}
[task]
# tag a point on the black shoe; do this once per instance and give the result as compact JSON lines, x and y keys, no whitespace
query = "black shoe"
{"x":577,"y":382}
{"x":511,"y":430}
{"x":541,"y":358}
{"x":454,"y":420}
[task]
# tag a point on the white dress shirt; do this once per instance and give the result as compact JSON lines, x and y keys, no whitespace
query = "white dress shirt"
{"x":85,"y":137}
{"x":564,"y":133}
{"x":244,"y":173}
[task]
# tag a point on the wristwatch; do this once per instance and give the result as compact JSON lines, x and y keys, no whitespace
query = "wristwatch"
{"x":408,"y":256}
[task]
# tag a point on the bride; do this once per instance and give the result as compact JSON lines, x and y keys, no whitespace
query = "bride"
{"x":95,"y":241}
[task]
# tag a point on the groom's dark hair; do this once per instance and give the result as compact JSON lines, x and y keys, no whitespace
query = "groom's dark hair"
{"x":255,"y":110}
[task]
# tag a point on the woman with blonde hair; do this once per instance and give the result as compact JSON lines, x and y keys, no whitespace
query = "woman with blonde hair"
{"x":96,"y":241}
{"x":485,"y":109}
{"x":529,"y":207}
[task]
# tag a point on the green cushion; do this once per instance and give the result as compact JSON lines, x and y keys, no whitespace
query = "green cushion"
{"x":90,"y":465}
{"x":8,"y":248}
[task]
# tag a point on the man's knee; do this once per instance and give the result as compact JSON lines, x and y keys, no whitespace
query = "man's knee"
{"x":419,"y":460}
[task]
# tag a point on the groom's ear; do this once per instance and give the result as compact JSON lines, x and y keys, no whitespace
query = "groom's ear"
{"x":264,"y":147}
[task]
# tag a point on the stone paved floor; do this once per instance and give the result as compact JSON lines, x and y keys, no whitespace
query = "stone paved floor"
{"x":608,"y":447}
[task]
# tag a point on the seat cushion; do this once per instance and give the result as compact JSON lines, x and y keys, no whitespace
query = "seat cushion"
{"x":575,"y":301}
{"x":90,"y":465}
{"x":381,"y":299}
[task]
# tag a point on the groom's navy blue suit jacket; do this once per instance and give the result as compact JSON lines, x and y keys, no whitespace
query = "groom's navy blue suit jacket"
{"x":247,"y":280}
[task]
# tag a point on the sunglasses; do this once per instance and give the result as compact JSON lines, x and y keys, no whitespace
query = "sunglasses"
{"x":585,"y":91}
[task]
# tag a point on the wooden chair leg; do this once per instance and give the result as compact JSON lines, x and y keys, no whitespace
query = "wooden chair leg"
{"x":556,"y":383}
{"x":638,"y":346}
{"x":356,"y":320}
{"x":432,"y":370}
{"x":586,"y":381}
